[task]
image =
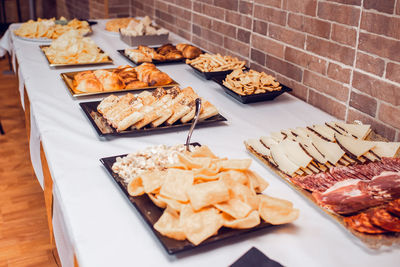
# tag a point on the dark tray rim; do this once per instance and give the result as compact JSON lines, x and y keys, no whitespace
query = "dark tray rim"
{"x":155,"y":62}
{"x":185,"y":244}
{"x":86,"y":108}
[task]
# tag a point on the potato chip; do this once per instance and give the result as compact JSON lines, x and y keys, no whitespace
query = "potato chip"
{"x":200,"y":225}
{"x":231,"y":176}
{"x":244,"y":193}
{"x":171,"y":203}
{"x":276,"y":211}
{"x":202,"y":151}
{"x":257,"y":183}
{"x":168,"y":225}
{"x":236,"y":164}
{"x":157,"y":201}
{"x":152,"y":180}
{"x":176,"y":184}
{"x":135,"y":187}
{"x":194,"y":163}
{"x":234,"y":207}
{"x":205,"y":194}
{"x":250,"y":221}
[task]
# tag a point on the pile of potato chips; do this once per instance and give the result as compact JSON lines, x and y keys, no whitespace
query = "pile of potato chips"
{"x":200,"y":193}
{"x":72,"y":48}
{"x":251,"y":82}
{"x":48,"y":28}
{"x":209,"y":63}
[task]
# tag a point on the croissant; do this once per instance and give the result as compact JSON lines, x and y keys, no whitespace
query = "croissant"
{"x":165,"y":49}
{"x":191,"y":52}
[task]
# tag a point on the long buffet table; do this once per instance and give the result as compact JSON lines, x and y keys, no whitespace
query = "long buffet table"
{"x":93,"y":221}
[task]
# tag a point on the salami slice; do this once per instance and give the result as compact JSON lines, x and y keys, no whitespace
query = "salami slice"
{"x":394,"y":207}
{"x":382,"y":218}
{"x":362,"y":223}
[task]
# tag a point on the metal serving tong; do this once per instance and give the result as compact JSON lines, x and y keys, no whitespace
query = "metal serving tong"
{"x":196,"y":118}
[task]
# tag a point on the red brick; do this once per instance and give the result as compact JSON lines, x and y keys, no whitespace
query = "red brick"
{"x":245,"y":7}
{"x":202,"y":21}
{"x":211,"y":36}
{"x":284,"y":68}
{"x":344,"y":35}
{"x":363,"y":103}
{"x":393,"y":72}
{"x":179,"y":12}
{"x":390,"y":115}
{"x":381,"y":24}
{"x":213,"y":11}
{"x":307,"y":7}
{"x":237,"y":47}
{"x":379,"y":46}
{"x":217,"y":49}
{"x":258,"y":56}
{"x":327,"y":104}
{"x":237,"y":19}
{"x":398,"y":137}
{"x":299,"y":90}
{"x":338,"y":73}
{"x":270,"y":14}
{"x":305,"y":60}
{"x":260,"y":27}
{"x":376,"y":88}
{"x":200,"y":42}
{"x":274,"y":3}
{"x":231,"y":4}
{"x":184,"y":3}
{"x":340,"y":13}
{"x":330,"y":50}
{"x":196,"y":30}
{"x":197,"y":7}
{"x":348,"y":2}
{"x":386,"y":6}
{"x":309,"y":25}
{"x":376,"y":125}
{"x":326,"y":86}
{"x":161,"y":5}
{"x":286,"y":35}
{"x":224,"y":28}
{"x":398,"y":13}
{"x":243,"y":35}
{"x":371,"y":64}
{"x":267,"y":45}
{"x":260,"y":68}
{"x":165,"y":16}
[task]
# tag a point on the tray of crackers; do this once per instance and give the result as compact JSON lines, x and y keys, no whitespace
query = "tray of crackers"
{"x":346,"y":170}
{"x":210,"y":65}
{"x":251,"y":86}
{"x":71,"y":49}
{"x":192,"y":198}
{"x":149,"y":112}
{"x":122,"y":78}
{"x":164,"y":54}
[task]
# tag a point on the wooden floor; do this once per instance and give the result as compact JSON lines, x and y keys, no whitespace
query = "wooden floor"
{"x":24,"y":233}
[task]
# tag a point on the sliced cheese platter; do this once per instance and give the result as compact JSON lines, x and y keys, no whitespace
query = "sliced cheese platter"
{"x":346,"y":170}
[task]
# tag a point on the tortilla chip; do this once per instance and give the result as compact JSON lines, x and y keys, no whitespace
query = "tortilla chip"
{"x":245,"y":194}
{"x":194,"y":163}
{"x":277,"y":211}
{"x":256,"y":181}
{"x":209,"y":193}
{"x":176,"y":184}
{"x":234,"y":207}
{"x":152,"y":180}
{"x":233,"y":176}
{"x":168,"y":225}
{"x":250,"y":221}
{"x":236,"y":164}
{"x":171,"y":203}
{"x":198,"y":226}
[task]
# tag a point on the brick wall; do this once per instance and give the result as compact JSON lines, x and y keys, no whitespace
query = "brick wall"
{"x":342,"y":56}
{"x":83,"y":9}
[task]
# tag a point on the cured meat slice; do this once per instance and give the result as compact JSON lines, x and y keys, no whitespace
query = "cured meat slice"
{"x":382,"y":218}
{"x":362,"y":223}
{"x":385,"y":186}
{"x":394,"y":207}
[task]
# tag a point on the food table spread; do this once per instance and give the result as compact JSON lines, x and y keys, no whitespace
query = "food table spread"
{"x":94,"y":220}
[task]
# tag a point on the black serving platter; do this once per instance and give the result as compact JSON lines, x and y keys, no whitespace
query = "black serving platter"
{"x":155,"y":62}
{"x":210,"y":75}
{"x":104,"y":129}
{"x":151,"y":213}
{"x":245,"y":99}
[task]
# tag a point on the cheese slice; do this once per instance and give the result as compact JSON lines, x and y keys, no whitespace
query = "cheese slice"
{"x":336,"y":128}
{"x":258,"y":147}
{"x":325,"y":132}
{"x":307,"y":145}
{"x":295,"y":153}
{"x":331,"y":151}
{"x":277,"y":136}
{"x":357,"y":147}
{"x":301,"y":131}
{"x":288,"y":134}
{"x":360,"y":131}
{"x":284,"y":164}
{"x":386,"y":149}
{"x":268,"y":141}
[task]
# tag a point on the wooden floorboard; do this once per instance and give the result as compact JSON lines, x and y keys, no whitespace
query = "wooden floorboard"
{"x":24,"y":233}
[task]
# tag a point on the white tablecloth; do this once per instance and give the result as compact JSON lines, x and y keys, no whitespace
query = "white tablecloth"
{"x":94,"y":220}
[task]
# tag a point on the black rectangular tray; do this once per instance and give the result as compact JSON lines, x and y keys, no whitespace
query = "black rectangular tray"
{"x":245,"y":99}
{"x":210,"y":75}
{"x":151,"y":213}
{"x":103,"y":129}
{"x":155,"y":62}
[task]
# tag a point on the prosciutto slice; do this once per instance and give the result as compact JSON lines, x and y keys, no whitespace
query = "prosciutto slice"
{"x":354,"y":195}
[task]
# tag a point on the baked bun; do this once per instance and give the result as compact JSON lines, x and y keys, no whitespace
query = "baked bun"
{"x":109,"y":80}
{"x":191,"y":52}
{"x":86,"y":81}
